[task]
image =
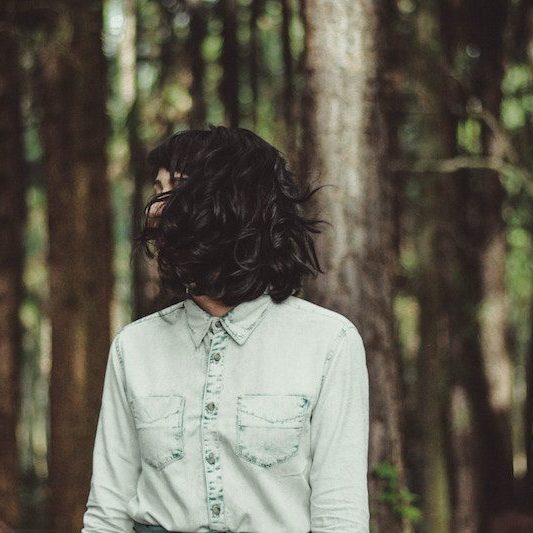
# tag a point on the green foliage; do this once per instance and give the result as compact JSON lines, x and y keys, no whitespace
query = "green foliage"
{"x":399,"y":499}
{"x":469,"y":135}
{"x":407,"y":311}
{"x":517,"y":105}
{"x":520,"y":283}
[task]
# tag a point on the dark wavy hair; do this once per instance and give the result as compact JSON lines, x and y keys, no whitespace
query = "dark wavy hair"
{"x":235,"y":228}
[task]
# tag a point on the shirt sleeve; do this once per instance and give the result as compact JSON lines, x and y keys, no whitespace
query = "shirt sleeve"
{"x":339,"y":440}
{"x":116,"y":457}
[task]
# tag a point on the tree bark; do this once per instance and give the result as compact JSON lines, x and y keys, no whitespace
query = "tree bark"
{"x":436,"y":229}
{"x":345,"y":141}
{"x":527,"y":495}
{"x":254,"y":55}
{"x":172,"y":61}
{"x":197,"y":34}
{"x":144,"y":280}
{"x":289,"y":114}
{"x":229,"y":63}
{"x":13,"y":176}
{"x":74,"y":130}
{"x":495,"y":460}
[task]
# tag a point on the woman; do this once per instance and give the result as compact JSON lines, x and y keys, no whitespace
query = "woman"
{"x":239,"y":407}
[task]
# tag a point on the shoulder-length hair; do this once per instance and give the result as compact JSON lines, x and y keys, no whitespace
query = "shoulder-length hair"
{"x":235,"y":228}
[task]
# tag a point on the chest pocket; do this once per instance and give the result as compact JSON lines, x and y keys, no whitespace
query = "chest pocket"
{"x":269,"y":427}
{"x":159,"y":424}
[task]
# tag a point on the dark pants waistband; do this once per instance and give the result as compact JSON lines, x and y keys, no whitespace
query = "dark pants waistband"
{"x":145,"y":528}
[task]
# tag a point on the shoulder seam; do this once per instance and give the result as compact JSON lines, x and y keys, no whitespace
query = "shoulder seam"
{"x":325,"y":312}
{"x":155,"y":314}
{"x":118,"y":349}
{"x":334,"y":350}
{"x":120,"y":355}
{"x":327,"y":361}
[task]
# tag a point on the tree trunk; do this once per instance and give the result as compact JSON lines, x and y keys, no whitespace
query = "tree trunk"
{"x":345,"y":142}
{"x":436,"y":229}
{"x":74,"y":131}
{"x":13,"y":176}
{"x":433,"y":367}
{"x":289,"y":115}
{"x":254,"y":55}
{"x":197,"y":34}
{"x":523,"y":43}
{"x":229,"y":63}
{"x":527,"y":495}
{"x":144,"y":276}
{"x":464,"y":517}
{"x":495,"y":460}
{"x":171,"y":65}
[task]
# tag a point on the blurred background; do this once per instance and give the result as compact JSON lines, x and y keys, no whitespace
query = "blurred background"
{"x":418,"y":112}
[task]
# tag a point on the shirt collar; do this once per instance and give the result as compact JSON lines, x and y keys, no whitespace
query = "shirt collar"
{"x":239,"y":321}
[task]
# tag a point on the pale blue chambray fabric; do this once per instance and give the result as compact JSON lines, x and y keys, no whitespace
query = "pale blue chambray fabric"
{"x":253,"y":422}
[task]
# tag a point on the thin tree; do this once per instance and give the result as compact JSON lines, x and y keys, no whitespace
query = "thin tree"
{"x":254,"y":54}
{"x":195,"y":40}
{"x":144,"y":273}
{"x":13,"y":176}
{"x":289,"y":112}
{"x":229,"y":62}
{"x":490,"y":384}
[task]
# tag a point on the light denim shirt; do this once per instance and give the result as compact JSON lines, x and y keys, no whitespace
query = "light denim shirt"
{"x":256,"y":421}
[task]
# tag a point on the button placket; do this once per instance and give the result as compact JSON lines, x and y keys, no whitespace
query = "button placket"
{"x":212,"y":390}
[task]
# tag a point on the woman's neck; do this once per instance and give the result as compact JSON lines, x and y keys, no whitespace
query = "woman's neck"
{"x":211,"y":306}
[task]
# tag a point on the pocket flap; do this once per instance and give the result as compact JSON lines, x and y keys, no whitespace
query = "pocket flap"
{"x":271,"y":408}
{"x":150,"y":409}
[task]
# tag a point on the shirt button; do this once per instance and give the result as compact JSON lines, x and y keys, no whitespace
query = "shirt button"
{"x":216,"y":324}
{"x":211,"y":458}
{"x":216,"y":357}
{"x":210,"y":406}
{"x":216,"y":509}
